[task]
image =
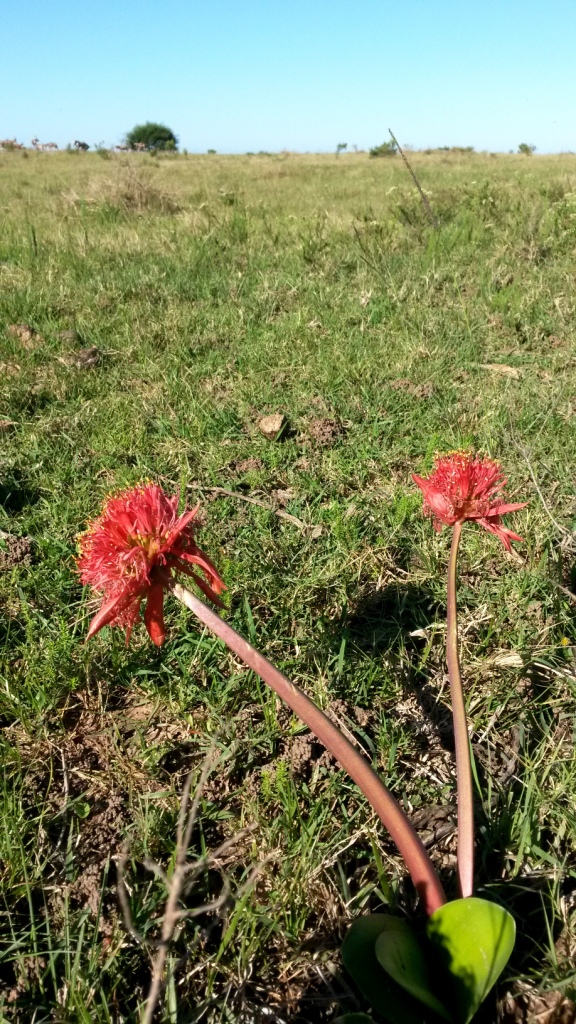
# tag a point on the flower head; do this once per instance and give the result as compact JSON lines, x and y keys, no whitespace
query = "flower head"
{"x":128,"y":551}
{"x":465,"y":486}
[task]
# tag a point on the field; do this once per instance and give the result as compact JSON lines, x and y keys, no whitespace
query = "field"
{"x":173,"y":302}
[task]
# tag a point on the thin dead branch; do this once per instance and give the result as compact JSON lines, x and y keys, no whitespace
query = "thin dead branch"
{"x":423,"y":195}
{"x":185,"y":872}
{"x":567,"y":536}
{"x":262,"y":504}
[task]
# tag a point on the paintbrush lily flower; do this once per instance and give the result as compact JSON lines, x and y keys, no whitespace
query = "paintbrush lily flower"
{"x":464,"y":486}
{"x":129,"y":552}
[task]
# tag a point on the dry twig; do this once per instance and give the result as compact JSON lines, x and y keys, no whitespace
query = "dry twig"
{"x":280,"y":512}
{"x":423,"y":195}
{"x":183,"y":876}
{"x":261,"y":504}
{"x":568,"y":537}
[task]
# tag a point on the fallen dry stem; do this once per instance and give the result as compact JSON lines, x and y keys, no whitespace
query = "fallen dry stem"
{"x":567,"y":535}
{"x":423,"y":195}
{"x":183,"y":876}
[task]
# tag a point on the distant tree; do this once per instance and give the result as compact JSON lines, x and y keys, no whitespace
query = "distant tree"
{"x":526,"y":148}
{"x":151,"y":136}
{"x":341,"y":146}
{"x":385,"y":149}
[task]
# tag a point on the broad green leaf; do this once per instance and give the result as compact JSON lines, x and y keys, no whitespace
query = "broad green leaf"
{"x":473,"y":939}
{"x":402,"y":957}
{"x":383,"y":994}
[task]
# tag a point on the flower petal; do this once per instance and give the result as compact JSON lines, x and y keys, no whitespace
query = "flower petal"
{"x":107,"y":613}
{"x":500,"y":510}
{"x":204,"y":587}
{"x":502,"y":532}
{"x":181,"y":525}
{"x":200,"y":559}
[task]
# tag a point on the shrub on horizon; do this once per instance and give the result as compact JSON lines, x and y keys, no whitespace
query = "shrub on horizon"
{"x":152,"y":136}
{"x":384,"y":149}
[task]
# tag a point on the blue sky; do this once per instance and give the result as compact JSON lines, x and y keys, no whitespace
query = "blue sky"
{"x":248,"y":75}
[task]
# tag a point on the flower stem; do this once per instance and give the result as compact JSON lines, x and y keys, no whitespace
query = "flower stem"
{"x":465,"y":858}
{"x":417,"y":861}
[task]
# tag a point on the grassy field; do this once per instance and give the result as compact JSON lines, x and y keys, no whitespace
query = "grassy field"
{"x":171,"y":304}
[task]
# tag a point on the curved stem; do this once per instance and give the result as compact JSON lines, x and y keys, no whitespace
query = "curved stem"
{"x":465,"y":857}
{"x":417,"y":861}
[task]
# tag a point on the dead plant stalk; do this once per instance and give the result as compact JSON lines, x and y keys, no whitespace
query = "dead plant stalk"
{"x":184,"y":874}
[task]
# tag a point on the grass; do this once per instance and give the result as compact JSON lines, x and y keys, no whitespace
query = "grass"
{"x":218,"y":290}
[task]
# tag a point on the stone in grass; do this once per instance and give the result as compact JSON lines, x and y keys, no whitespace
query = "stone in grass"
{"x":28,"y":337}
{"x":272,"y":426}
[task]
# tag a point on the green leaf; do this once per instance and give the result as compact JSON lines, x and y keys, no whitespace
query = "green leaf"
{"x":473,"y":939}
{"x":402,"y":957}
{"x":388,"y":998}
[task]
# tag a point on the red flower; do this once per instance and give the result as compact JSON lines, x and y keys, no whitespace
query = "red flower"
{"x":130,"y":547}
{"x":463,"y":486}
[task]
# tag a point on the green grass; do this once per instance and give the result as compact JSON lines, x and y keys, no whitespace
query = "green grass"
{"x":220,"y":289}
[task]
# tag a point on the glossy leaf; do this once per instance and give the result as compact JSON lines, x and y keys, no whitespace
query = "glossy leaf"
{"x":473,"y":939}
{"x":383,"y":994}
{"x":400,"y":954}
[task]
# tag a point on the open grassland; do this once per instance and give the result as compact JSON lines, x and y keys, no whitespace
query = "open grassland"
{"x":216,"y":290}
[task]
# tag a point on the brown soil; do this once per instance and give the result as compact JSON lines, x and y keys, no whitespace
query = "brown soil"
{"x":17,"y":551}
{"x":324,"y":431}
{"x":532,"y":1007}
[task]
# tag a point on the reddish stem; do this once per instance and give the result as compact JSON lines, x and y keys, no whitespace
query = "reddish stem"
{"x":465,"y":858}
{"x":417,"y":861}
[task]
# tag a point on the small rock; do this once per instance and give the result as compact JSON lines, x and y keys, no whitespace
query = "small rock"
{"x":26,"y":335}
{"x":271,"y":426}
{"x":315,"y":532}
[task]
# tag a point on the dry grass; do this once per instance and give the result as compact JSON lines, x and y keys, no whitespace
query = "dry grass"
{"x":130,"y":188}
